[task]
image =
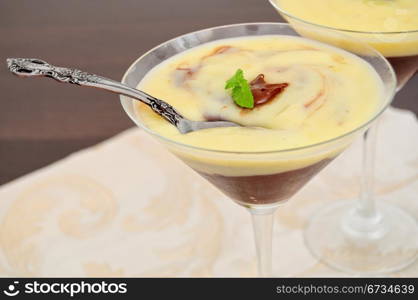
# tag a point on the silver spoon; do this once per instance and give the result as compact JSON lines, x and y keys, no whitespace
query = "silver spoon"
{"x":33,"y":67}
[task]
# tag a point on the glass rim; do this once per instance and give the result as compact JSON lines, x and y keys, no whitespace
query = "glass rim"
{"x":283,"y":11}
{"x":388,"y":98}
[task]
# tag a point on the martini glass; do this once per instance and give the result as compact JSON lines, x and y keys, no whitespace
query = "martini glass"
{"x":258,"y":181}
{"x":362,"y":236}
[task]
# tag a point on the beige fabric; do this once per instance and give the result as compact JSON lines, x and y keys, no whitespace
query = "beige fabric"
{"x":127,"y":207}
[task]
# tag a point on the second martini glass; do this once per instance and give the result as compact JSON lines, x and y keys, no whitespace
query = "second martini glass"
{"x":365,"y":237}
{"x":234,"y":173}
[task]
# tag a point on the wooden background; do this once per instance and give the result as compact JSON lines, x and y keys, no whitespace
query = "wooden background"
{"x":42,"y":121}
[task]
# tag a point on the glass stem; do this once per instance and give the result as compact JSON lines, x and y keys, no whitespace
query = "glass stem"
{"x":366,"y":205}
{"x":365,"y":222}
{"x":263,"y":233}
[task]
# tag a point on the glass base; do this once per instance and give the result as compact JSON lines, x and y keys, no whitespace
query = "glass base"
{"x":387,"y":242}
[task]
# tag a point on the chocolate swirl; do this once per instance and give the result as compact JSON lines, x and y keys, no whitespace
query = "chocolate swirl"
{"x":263,"y":92}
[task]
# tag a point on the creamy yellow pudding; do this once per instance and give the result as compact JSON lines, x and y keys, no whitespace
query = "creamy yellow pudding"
{"x":330,"y":92}
{"x":324,"y":93}
{"x":359,"y":15}
{"x":384,"y":18}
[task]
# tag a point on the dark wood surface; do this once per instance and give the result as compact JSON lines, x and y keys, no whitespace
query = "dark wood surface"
{"x":42,"y":121}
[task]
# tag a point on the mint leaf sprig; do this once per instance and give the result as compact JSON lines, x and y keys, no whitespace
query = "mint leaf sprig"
{"x":240,"y":90}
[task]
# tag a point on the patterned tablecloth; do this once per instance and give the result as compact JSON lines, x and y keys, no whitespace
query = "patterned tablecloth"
{"x":127,"y":207}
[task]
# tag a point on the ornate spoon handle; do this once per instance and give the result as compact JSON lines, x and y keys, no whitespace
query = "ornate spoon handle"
{"x":33,"y":67}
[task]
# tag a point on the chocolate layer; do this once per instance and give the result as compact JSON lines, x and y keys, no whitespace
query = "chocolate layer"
{"x":265,"y":189}
{"x":405,"y":67}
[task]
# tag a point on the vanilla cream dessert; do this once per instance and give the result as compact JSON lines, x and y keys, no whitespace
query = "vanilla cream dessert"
{"x":358,"y":15}
{"x":391,"y":26}
{"x":306,"y":93}
{"x":329,"y":92}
